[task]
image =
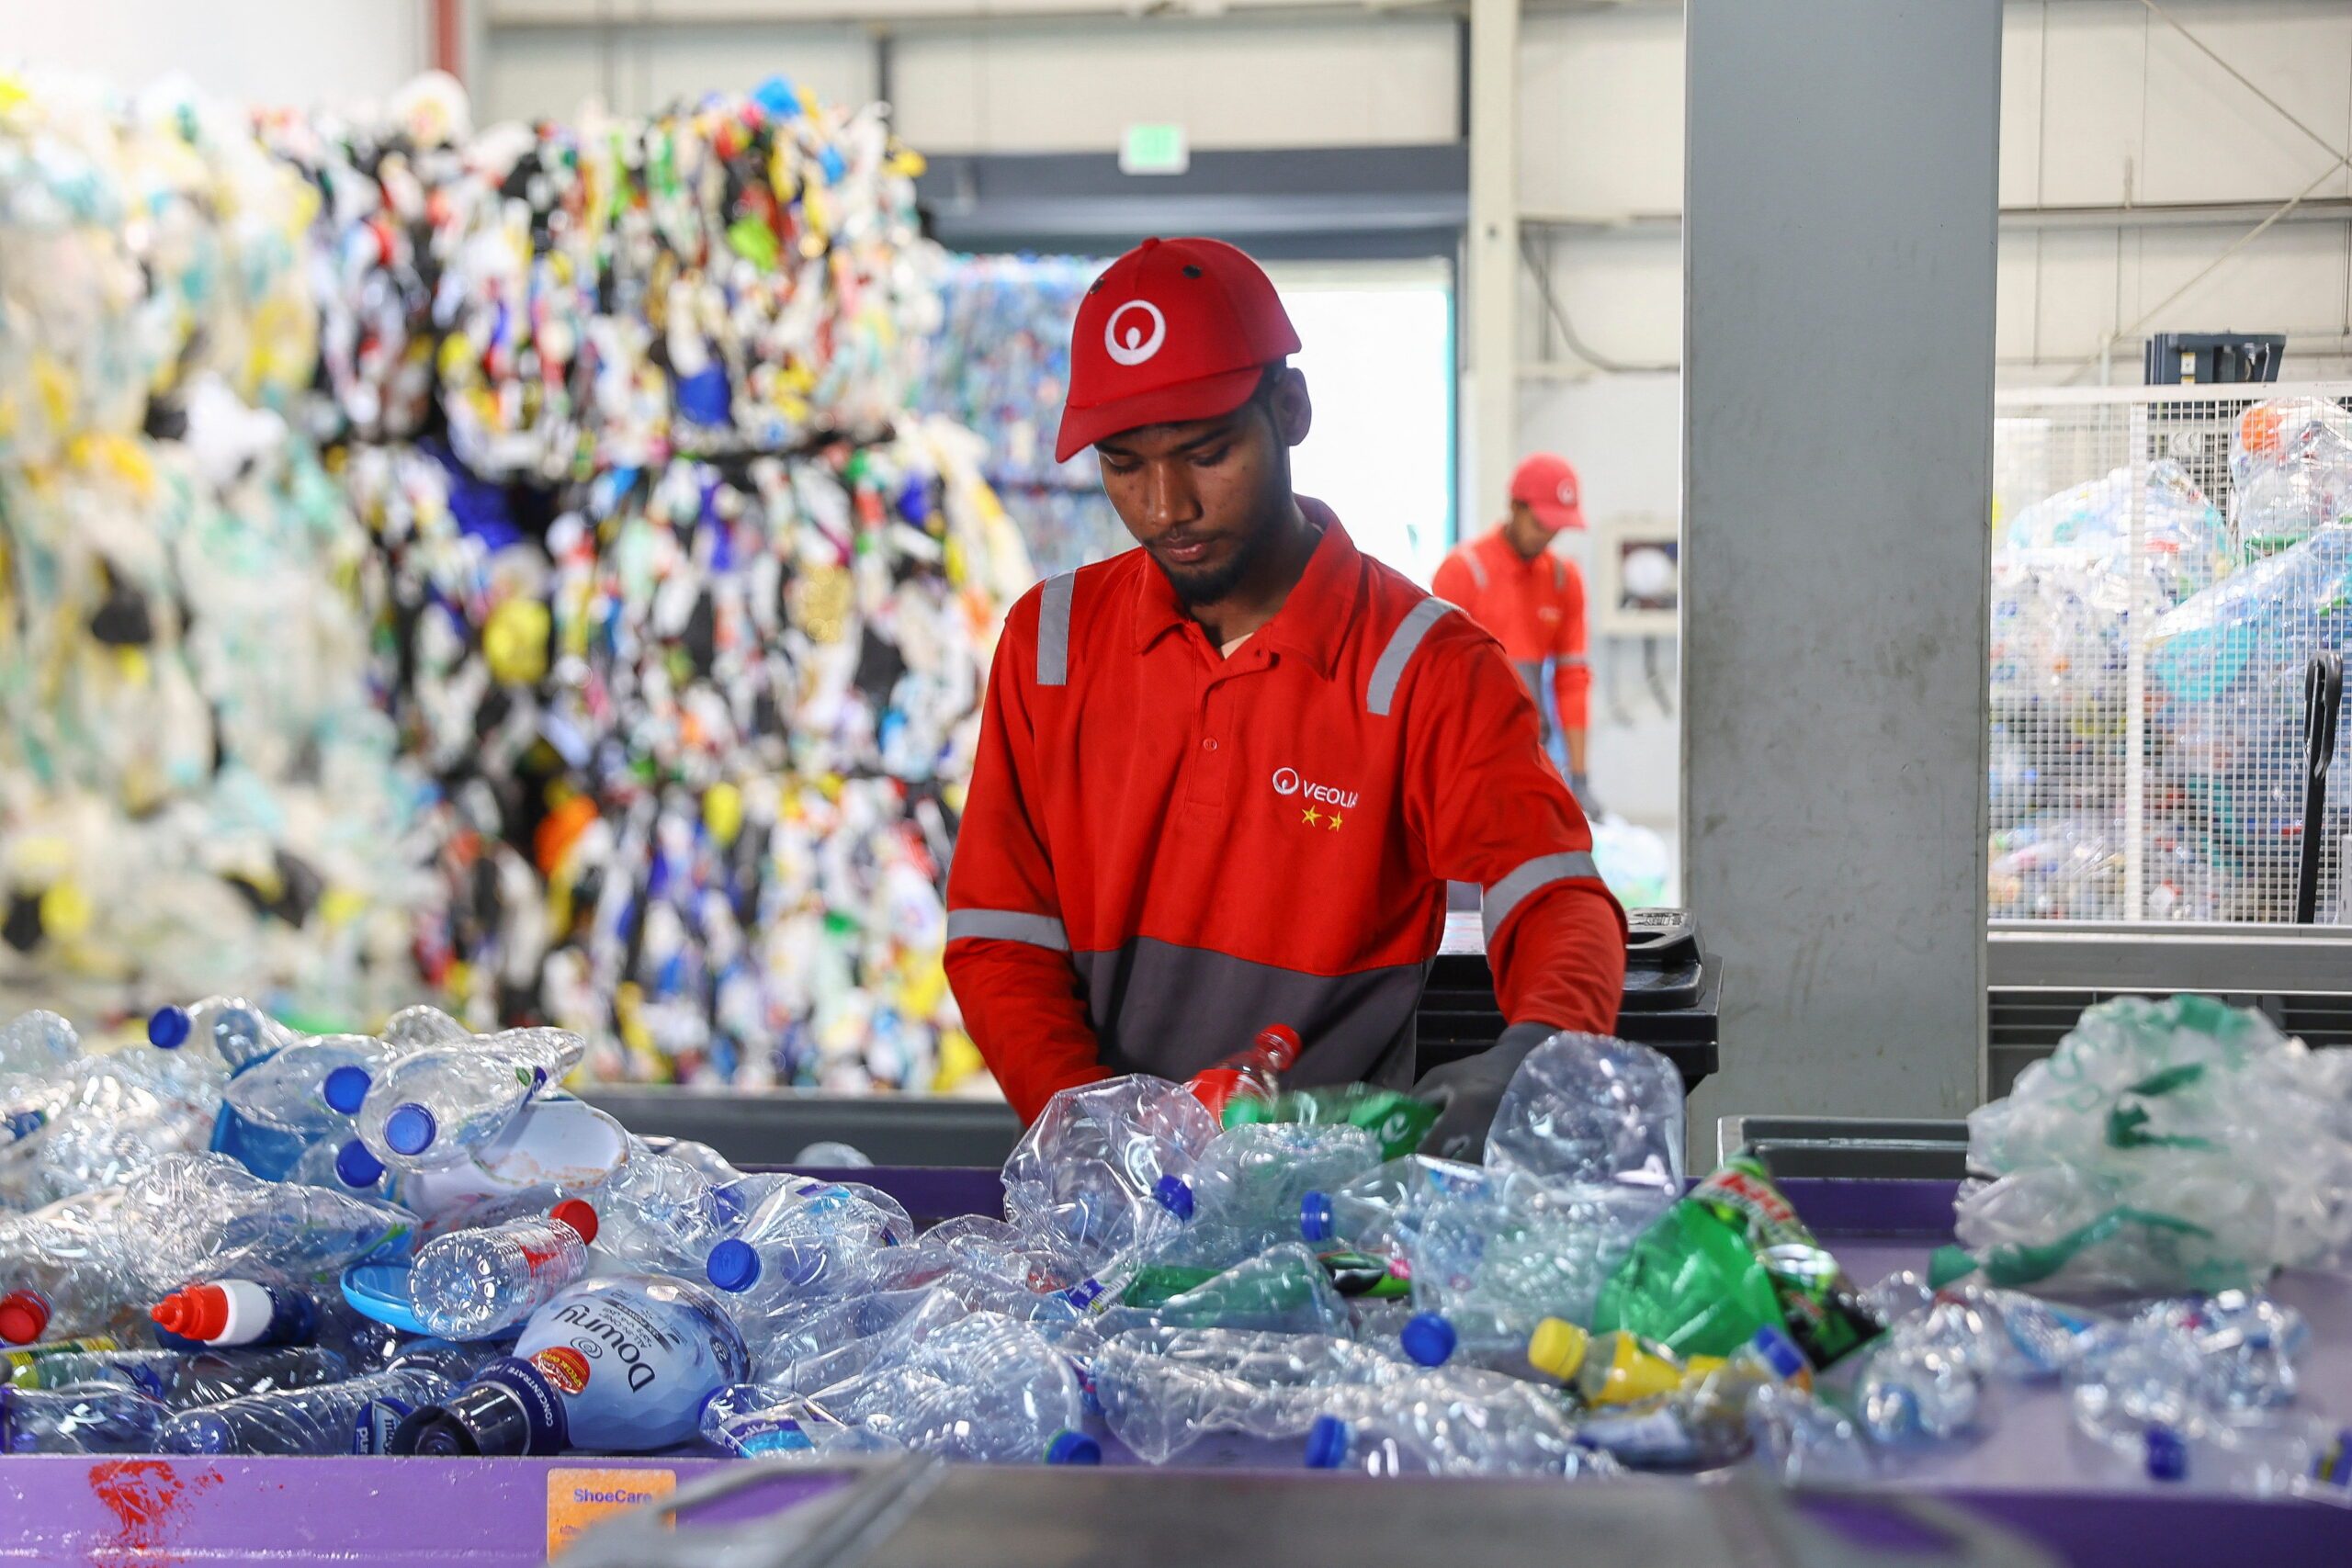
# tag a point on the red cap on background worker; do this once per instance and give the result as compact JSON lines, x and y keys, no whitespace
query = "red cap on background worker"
{"x":1181,"y":741}
{"x":1511,"y":582}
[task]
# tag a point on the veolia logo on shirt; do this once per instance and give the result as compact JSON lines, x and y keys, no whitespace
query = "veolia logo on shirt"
{"x":1134,"y":345}
{"x":1287,"y":782}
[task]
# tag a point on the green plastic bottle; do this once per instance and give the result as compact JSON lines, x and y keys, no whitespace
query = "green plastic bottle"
{"x":1727,"y":1260}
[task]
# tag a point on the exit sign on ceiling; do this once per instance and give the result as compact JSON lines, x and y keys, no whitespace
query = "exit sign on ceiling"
{"x":1154,"y":150}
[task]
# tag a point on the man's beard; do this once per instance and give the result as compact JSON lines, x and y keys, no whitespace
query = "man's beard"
{"x":1212,"y":584}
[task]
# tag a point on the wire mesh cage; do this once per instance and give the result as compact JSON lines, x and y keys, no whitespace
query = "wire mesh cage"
{"x":2166,"y":563}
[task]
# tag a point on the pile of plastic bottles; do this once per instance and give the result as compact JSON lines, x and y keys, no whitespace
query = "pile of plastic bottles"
{"x":414,"y":1243}
{"x":999,"y":366}
{"x":195,"y":783}
{"x":738,"y":274}
{"x":2228,"y":667}
{"x":2065,"y":583}
{"x":616,"y":662}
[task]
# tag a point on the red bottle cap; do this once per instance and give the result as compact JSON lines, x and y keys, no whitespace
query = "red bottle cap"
{"x":578,"y":1215}
{"x":198,"y":1311}
{"x":23,"y":1316}
{"x":1281,"y":1044}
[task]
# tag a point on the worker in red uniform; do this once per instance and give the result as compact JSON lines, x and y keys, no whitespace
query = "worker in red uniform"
{"x":1509,"y":582}
{"x":1223,"y":779}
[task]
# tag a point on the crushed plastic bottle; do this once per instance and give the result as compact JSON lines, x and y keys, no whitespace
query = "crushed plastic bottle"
{"x":1490,"y":1263}
{"x":205,"y":1217}
{"x":1164,"y":1388}
{"x":1586,"y":1109}
{"x":232,"y":1031}
{"x":236,"y":1313}
{"x":1452,"y":1426}
{"x":288,"y":1091}
{"x":428,"y":1108}
{"x":183,"y":1380}
{"x":1244,"y":1194}
{"x":1255,"y":1072}
{"x":983,"y":1387}
{"x":1283,"y":1289}
{"x":330,"y":1418}
{"x":474,"y":1284}
{"x":87,"y":1418}
{"x":63,"y":1270}
{"x":1084,"y":1186}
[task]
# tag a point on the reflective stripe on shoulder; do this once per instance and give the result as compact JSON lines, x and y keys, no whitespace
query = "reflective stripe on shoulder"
{"x":1477,"y":568}
{"x":1052,"y":630}
{"x":1008,"y":925}
{"x":1559,"y":573}
{"x":1513,"y":890}
{"x":1573,"y":661}
{"x":1381,"y":691}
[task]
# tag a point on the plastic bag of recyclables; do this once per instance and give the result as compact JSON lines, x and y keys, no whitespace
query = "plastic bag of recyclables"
{"x":2164,"y":1147}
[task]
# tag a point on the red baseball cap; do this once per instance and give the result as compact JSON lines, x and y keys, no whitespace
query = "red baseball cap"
{"x":1549,"y":487}
{"x":1174,"y":329}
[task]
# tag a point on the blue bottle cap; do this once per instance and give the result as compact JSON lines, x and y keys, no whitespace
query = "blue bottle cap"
{"x":1327,"y":1443}
{"x":345,"y":1089}
{"x":355,"y":1167}
{"x":2167,"y":1454}
{"x":1778,"y":1352}
{"x":1428,"y":1338}
{"x":409,"y":1129}
{"x":1175,"y":1195}
{"x":1073,"y":1447}
{"x":733,"y":1266}
{"x":168,"y":1027}
{"x":1315,"y":1216}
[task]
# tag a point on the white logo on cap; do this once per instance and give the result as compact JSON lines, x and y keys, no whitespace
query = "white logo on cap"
{"x":1568,"y":493}
{"x":1135,"y":347}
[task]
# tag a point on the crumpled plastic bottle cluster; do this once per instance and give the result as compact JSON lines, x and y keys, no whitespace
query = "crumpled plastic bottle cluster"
{"x":2174,"y":1146}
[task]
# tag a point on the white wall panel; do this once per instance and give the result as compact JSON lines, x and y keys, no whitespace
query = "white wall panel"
{"x":535,"y":75}
{"x":1600,"y":112}
{"x":317,"y":52}
{"x":1622,"y":292}
{"x":2095,"y":53}
{"x":1074,"y":86}
{"x":2023,"y":85}
{"x":2210,"y":139}
{"x":836,"y":63}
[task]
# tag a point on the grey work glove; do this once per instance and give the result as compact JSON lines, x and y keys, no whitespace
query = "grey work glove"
{"x":1580,"y":785}
{"x":1469,"y":1092}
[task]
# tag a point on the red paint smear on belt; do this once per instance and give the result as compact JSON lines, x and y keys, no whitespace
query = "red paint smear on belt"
{"x":149,"y":1499}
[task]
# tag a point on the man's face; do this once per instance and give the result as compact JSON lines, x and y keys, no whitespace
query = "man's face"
{"x":1204,"y":497}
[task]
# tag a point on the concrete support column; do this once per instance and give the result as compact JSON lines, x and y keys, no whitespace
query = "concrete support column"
{"x":1491,"y":286}
{"x":1838,"y":379}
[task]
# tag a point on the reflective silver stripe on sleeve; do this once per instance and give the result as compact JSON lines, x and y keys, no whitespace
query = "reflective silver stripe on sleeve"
{"x":1559,"y":573}
{"x":1507,"y":895}
{"x":1399,"y":653}
{"x":1573,"y":661}
{"x":1052,"y":630}
{"x":1008,"y":925}
{"x":1477,"y":568}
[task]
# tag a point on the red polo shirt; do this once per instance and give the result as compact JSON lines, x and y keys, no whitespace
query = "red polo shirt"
{"x":1164,"y":851}
{"x":1535,"y":609}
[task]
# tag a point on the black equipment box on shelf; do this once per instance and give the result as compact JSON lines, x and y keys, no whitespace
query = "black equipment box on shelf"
{"x":1671,"y":1004}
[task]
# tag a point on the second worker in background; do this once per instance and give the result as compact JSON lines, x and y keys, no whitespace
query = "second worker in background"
{"x":1509,"y":582}
{"x":1224,"y":779}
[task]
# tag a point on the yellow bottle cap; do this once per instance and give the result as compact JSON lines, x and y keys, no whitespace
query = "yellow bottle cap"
{"x":1556,"y":1348}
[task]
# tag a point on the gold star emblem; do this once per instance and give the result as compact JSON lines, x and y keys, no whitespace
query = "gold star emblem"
{"x":1335,"y":821}
{"x":1313,"y":817}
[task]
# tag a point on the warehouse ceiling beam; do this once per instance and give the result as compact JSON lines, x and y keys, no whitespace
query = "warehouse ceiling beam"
{"x":2130,"y":215}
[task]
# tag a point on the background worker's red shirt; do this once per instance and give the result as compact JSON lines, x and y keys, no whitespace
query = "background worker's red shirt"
{"x":1164,"y":851}
{"x":1535,"y":609}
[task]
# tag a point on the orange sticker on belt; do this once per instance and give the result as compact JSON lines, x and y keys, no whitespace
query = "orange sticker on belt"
{"x":578,"y":1498}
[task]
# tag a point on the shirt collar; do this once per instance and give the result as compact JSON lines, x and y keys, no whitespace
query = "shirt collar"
{"x":1312,"y":621}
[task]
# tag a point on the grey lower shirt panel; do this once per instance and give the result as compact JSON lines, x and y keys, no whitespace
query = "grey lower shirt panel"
{"x":1159,"y":1008}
